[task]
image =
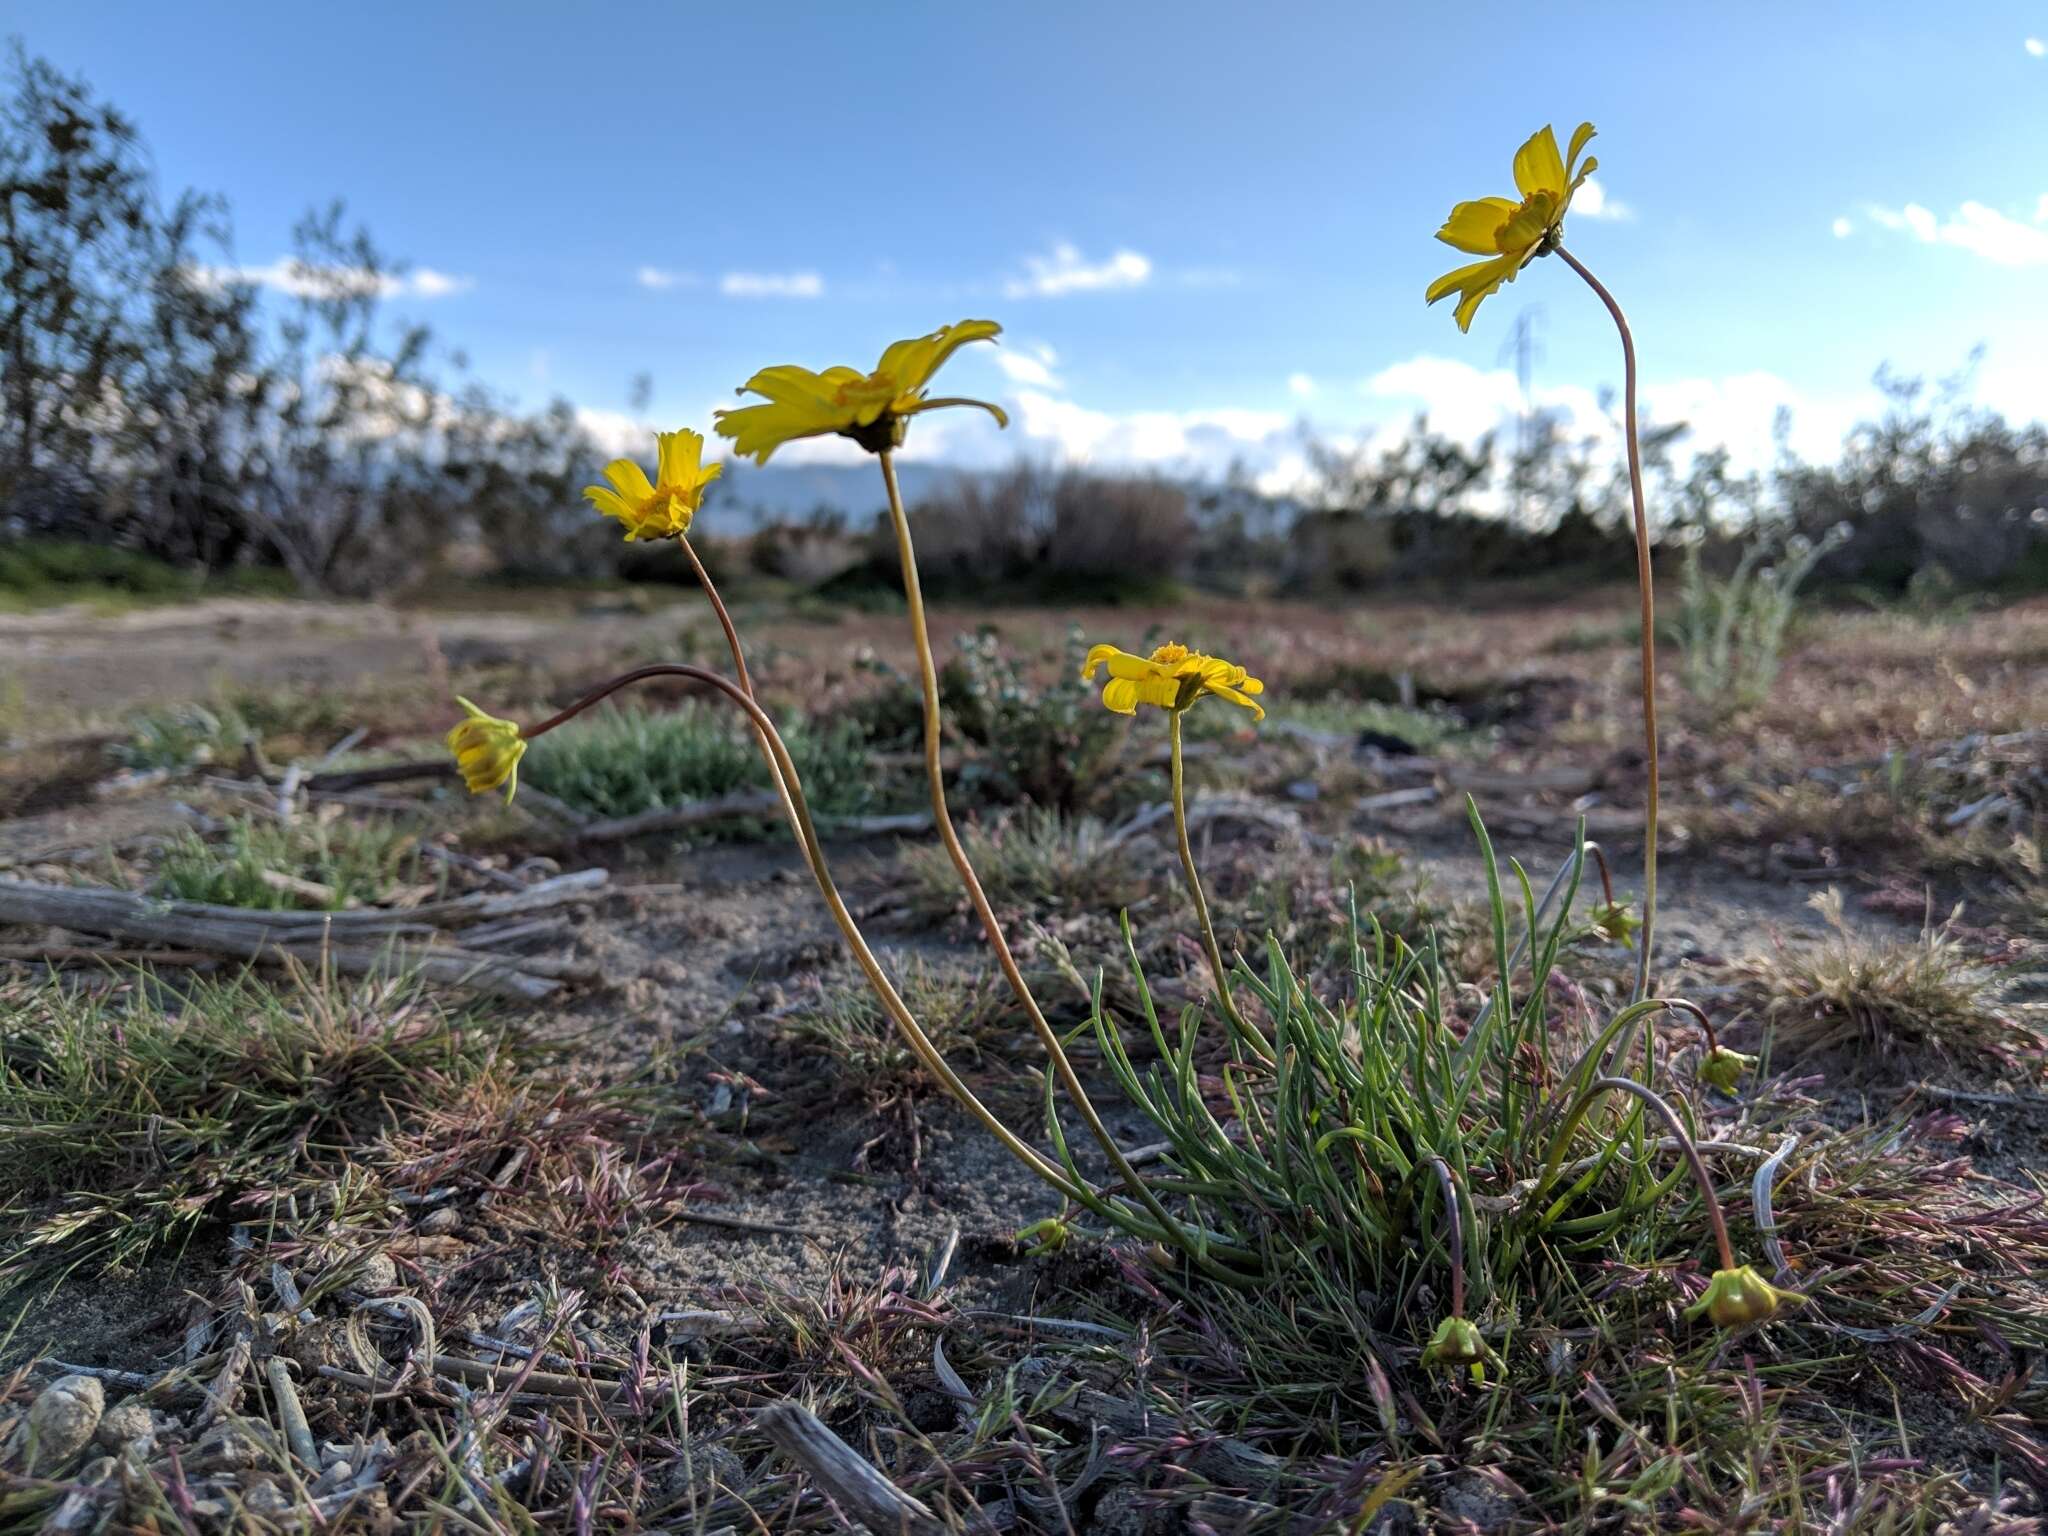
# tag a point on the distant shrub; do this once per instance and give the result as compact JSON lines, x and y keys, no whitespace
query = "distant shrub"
{"x":1035,"y":534}
{"x":1047,"y":744}
{"x":1732,"y":629}
{"x":626,"y":761}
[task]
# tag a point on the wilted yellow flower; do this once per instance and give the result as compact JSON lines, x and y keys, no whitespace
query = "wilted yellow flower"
{"x":1510,"y":234}
{"x":487,"y":750}
{"x":1457,"y":1342}
{"x":870,"y":408}
{"x":1722,"y":1068}
{"x":1173,"y":677}
{"x":1738,"y":1297}
{"x":663,"y":509}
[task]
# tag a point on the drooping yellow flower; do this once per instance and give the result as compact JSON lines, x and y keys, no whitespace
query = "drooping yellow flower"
{"x":663,"y":509}
{"x":870,"y":408}
{"x":487,"y":750}
{"x":1735,"y":1298}
{"x":1509,"y":234}
{"x":1172,"y":677}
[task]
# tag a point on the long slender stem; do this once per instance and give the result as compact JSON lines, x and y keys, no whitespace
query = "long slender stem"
{"x":1247,"y":1033}
{"x":1649,"y":617}
{"x":1669,"y":1116}
{"x":739,"y":664}
{"x":942,"y":818}
{"x":1455,"y":1217}
{"x":814,"y":852}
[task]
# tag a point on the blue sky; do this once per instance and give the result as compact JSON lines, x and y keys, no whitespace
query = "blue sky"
{"x":1199,"y":223}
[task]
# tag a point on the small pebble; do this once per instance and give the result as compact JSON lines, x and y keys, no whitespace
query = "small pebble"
{"x":61,"y":1421}
{"x":126,"y":1423}
{"x":442,"y":1219}
{"x":380,"y":1273}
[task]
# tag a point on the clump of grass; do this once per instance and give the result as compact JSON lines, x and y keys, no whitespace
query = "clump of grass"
{"x":621,"y":762}
{"x":175,"y":738}
{"x":1036,"y":861}
{"x":322,"y":862}
{"x":129,"y":1123}
{"x":285,"y":719}
{"x":869,"y":1058}
{"x":1881,"y":996}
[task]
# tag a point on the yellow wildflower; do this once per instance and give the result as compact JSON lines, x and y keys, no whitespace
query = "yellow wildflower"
{"x":1173,"y":677}
{"x":870,"y":408}
{"x":487,"y":750}
{"x":664,"y":508}
{"x":1457,"y":1342}
{"x":1737,"y":1297}
{"x":1509,"y":235}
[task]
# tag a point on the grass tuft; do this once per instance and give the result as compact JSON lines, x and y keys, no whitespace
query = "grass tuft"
{"x":620,"y":762}
{"x":128,"y":1123}
{"x":1882,"y":996}
{"x":322,"y":862}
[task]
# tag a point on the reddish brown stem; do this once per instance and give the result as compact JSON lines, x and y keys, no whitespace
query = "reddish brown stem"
{"x":1649,"y":616}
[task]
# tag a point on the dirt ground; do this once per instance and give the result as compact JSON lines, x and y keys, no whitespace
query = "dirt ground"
{"x":705,"y":949}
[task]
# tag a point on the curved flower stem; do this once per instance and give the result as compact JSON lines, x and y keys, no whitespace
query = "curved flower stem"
{"x":934,"y":768}
{"x":1649,"y":617}
{"x":814,"y":852}
{"x":1669,"y":1116}
{"x":739,"y":663}
{"x":1247,"y":1033}
{"x":1606,"y":875}
{"x":1456,"y":1218}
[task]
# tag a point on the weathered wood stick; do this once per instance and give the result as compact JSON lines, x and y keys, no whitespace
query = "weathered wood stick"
{"x":846,"y":1477}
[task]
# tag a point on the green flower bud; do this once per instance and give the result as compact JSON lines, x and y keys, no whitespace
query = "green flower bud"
{"x":1722,"y":1068}
{"x":1047,"y":1236}
{"x":1739,"y":1297}
{"x":1617,"y":923}
{"x":1457,"y":1342}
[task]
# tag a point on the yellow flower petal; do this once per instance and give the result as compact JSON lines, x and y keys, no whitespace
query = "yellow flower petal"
{"x":630,"y":478}
{"x":1235,"y":697}
{"x":678,"y":456}
{"x":607,"y":501}
{"x":1472,"y":226}
{"x":1121,"y":695}
{"x":1475,"y":283}
{"x":868,"y":407}
{"x":1581,"y":137}
{"x":1538,"y":165}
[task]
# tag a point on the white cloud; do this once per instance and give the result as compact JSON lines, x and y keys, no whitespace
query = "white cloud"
{"x":1843,"y":229}
{"x":1976,"y":228}
{"x":307,"y":280}
{"x":2036,"y":47}
{"x":1300,"y":385}
{"x":1064,"y":272}
{"x":1460,"y":400}
{"x":662,"y":277}
{"x":1592,"y":201}
{"x":1193,"y":442}
{"x":1739,"y":411}
{"x":771,"y":285}
{"x":1029,"y":366}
